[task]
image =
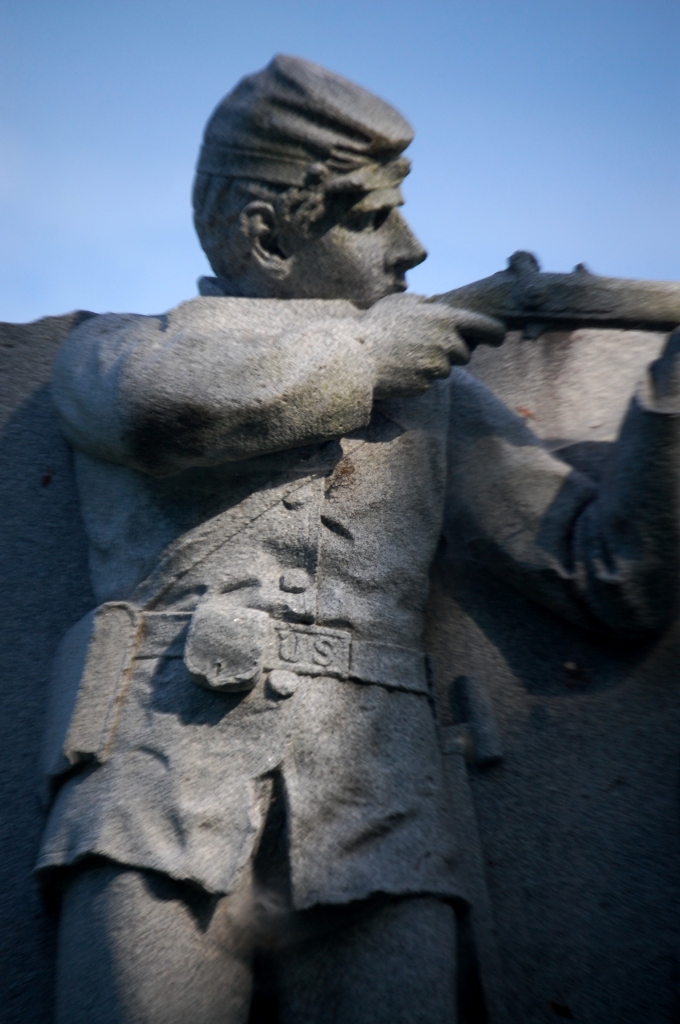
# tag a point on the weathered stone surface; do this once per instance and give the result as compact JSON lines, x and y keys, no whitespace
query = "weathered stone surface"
{"x":46,"y":588}
{"x":579,"y":823}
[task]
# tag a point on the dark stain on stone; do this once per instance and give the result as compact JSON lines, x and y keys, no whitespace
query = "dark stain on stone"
{"x":561,"y":1010}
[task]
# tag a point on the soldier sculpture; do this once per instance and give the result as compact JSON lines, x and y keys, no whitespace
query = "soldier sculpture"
{"x":242,"y":751}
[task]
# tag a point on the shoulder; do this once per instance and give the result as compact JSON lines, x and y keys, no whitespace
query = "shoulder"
{"x":208,"y":314}
{"x":93,"y":349}
{"x":100,"y":344}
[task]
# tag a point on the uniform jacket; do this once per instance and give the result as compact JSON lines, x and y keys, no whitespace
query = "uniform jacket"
{"x":241,"y":489}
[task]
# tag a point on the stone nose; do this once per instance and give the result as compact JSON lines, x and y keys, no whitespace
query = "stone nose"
{"x":295,"y":581}
{"x":406,"y":251}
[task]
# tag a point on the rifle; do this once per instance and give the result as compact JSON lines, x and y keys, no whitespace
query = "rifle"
{"x":526,"y":299}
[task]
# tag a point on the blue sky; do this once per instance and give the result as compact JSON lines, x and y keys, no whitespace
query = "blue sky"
{"x":552,"y":125}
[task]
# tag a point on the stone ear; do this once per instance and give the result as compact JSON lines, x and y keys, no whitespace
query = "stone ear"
{"x":259,"y":224}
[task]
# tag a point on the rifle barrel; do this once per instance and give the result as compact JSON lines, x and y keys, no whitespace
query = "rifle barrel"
{"x":526,"y":299}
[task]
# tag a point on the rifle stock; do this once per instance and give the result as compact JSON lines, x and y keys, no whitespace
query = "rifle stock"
{"x":526,"y":299}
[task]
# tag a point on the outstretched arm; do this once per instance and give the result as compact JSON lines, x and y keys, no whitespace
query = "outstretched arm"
{"x":221,"y":379}
{"x":606,"y":555}
{"x":214,"y":380}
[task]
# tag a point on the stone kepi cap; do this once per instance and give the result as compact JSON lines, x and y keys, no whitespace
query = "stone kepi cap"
{"x":297,"y":124}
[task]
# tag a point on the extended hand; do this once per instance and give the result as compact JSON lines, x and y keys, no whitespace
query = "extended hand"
{"x":412,"y":342}
{"x":665,"y":372}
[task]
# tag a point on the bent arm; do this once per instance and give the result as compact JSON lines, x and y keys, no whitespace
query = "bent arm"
{"x":213,"y":381}
{"x":606,"y":556}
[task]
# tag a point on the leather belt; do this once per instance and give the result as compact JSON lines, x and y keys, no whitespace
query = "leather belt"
{"x":315,"y":651}
{"x":307,"y":650}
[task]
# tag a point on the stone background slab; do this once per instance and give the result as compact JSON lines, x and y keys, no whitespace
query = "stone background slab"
{"x":580,"y":823}
{"x":45,"y":589}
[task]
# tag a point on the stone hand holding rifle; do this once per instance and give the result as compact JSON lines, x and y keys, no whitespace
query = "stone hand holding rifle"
{"x":519,"y":298}
{"x":243,"y":756}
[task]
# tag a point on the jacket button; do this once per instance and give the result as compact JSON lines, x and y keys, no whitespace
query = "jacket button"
{"x":295,"y":581}
{"x":283,"y":683}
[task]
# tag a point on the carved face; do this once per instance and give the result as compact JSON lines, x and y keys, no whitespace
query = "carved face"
{"x":359,"y":252}
{"x":363,"y":257}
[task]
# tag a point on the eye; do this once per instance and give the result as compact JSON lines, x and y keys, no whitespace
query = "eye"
{"x":380,"y":217}
{"x":372,"y":220}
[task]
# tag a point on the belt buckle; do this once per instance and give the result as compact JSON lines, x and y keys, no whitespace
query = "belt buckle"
{"x":313,"y":650}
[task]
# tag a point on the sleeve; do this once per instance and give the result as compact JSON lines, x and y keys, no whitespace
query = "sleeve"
{"x":605,"y":555}
{"x":161,"y":394}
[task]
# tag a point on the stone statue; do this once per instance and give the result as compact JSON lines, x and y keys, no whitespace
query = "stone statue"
{"x":242,"y":754}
